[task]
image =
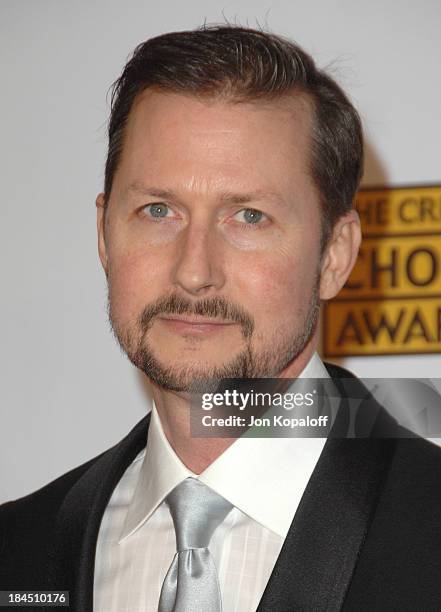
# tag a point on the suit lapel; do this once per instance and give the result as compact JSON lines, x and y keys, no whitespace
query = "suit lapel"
{"x":318,"y":557}
{"x":72,"y":551}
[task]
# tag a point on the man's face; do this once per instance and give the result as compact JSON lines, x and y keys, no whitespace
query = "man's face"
{"x":211,"y":242}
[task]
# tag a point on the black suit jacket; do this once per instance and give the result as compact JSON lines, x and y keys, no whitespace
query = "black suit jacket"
{"x":366,"y":535}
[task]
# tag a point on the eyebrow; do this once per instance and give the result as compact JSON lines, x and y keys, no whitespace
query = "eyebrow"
{"x":227,"y":196}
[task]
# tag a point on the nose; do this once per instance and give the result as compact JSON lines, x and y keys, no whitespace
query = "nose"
{"x":198,"y":270}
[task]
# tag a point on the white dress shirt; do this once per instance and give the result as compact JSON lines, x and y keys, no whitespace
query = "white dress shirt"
{"x":264,"y":479}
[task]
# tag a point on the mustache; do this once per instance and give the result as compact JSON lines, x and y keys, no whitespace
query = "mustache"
{"x":215,"y":307}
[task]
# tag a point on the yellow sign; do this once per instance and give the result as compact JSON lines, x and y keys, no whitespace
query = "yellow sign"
{"x":391,"y":303}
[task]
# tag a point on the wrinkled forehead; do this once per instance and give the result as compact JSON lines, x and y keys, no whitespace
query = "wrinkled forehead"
{"x":220,"y":139}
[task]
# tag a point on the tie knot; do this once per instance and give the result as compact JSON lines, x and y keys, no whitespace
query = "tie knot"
{"x":196,"y":511}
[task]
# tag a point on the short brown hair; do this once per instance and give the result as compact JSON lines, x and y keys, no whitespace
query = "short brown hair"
{"x":244,"y":64}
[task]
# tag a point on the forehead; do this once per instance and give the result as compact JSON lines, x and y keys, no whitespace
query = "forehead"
{"x":217,"y":140}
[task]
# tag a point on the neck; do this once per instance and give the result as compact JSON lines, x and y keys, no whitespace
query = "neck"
{"x":174,"y":412}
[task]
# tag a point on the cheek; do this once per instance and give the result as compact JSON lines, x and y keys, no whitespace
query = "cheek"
{"x":135,"y":281}
{"x":279,"y":284}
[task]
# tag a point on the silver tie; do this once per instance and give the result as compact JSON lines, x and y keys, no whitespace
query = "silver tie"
{"x":191,"y":583}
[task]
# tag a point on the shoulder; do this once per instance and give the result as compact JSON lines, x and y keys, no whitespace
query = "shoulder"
{"x":413,"y":454}
{"x":32,"y":515}
{"x":27,"y":523}
{"x":26,"y":526}
{"x":400,"y":555}
{"x":49,"y":496}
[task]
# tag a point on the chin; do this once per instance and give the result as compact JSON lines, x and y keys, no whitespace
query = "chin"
{"x":188,"y":374}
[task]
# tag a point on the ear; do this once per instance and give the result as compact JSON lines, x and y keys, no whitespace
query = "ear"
{"x":100,"y":225}
{"x":340,"y":254}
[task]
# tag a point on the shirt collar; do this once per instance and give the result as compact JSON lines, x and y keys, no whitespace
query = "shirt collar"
{"x":272,"y":474}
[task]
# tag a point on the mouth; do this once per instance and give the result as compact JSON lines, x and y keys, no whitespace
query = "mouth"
{"x":194,"y":324}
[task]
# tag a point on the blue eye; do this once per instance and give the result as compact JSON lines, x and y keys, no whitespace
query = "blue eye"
{"x":251,"y":216}
{"x":158,"y":210}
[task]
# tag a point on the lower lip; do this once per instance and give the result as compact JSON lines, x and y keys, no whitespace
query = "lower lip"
{"x":196,"y":328}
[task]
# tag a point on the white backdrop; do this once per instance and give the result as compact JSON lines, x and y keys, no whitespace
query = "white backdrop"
{"x":67,"y":393}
